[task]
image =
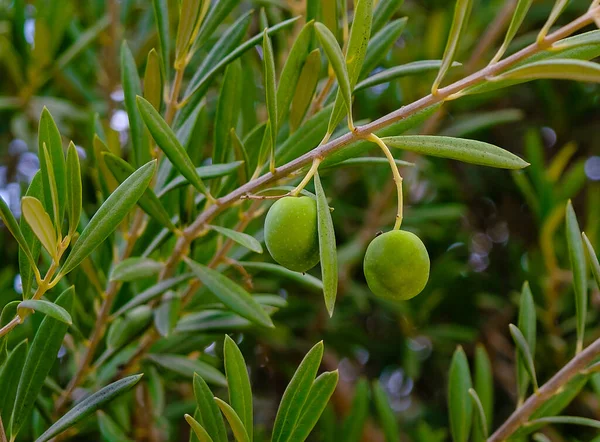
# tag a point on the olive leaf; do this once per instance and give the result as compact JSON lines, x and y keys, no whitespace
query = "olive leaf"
{"x":148,"y":202}
{"x":561,"y":69}
{"x":90,"y":404}
{"x":52,"y":165}
{"x":592,"y":258}
{"x":355,"y":421}
{"x":385,"y":413}
{"x":241,"y":238}
{"x":305,"y":88}
{"x":327,"y":247}
{"x":329,"y":13}
{"x":161,"y":17}
{"x":237,"y":427}
{"x":205,"y":172}
{"x":11,"y":224}
{"x":192,"y":13}
{"x":199,"y":431}
{"x":187,"y":367}
{"x":168,"y":143}
{"x":109,"y":429}
{"x":521,"y":9}
{"x":336,"y":59}
{"x":124,"y":329}
{"x":462,"y":10}
{"x":527,"y":324}
{"x":557,"y":9}
{"x":212,"y":419}
{"x":131,"y":269}
{"x":32,"y":253}
{"x":39,"y":362}
{"x":296,"y":395}
{"x":484,"y":385}
{"x":525,"y":353}
{"x":166,"y":314}
{"x":74,"y":192}
{"x":467,"y":151}
{"x":320,"y":393}
{"x":271,"y":94}
{"x":153,"y":82}
{"x":229,"y":293}
{"x":132,"y":87}
{"x":228,"y":107}
{"x":238,"y":382}
{"x":109,"y":215}
{"x":48,"y":308}
{"x":460,"y":406}
{"x":380,"y":45}
{"x":305,"y":280}
{"x":9,"y":379}
{"x":579,"y":268}
{"x":403,"y":70}
{"x":219,"y":11}
{"x":479,"y":417}
{"x":384,"y":11}
{"x":40,"y":223}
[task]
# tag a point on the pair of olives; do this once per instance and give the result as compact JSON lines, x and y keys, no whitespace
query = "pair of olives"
{"x":396,"y":264}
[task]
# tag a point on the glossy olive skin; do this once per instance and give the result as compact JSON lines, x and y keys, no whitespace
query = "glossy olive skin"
{"x":396,"y":265}
{"x":291,"y":233}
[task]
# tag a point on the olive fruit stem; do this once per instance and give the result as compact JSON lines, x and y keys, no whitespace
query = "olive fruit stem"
{"x":311,"y":172}
{"x":397,"y":177}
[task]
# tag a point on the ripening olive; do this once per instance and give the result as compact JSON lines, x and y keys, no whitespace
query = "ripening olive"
{"x":291,"y":233}
{"x":396,"y":265}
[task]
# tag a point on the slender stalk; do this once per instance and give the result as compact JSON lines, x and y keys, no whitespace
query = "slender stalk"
{"x":310,"y":174}
{"x":174,"y":97}
{"x":330,"y":147}
{"x":522,"y":414}
{"x":397,"y":177}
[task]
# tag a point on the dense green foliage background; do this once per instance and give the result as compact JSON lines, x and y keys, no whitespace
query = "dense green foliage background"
{"x":487,"y":230}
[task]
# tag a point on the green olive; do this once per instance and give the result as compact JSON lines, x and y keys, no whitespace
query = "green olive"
{"x":396,"y":265}
{"x":291,"y":233}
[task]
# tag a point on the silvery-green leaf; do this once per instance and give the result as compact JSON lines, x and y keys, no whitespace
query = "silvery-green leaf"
{"x":187,"y":367}
{"x":131,"y":269}
{"x":380,"y":45}
{"x":237,"y":427}
{"x":460,"y":406}
{"x":559,"y":69}
{"x":48,"y":308}
{"x":305,"y":88}
{"x":209,"y":411}
{"x":384,"y":11}
{"x":525,"y":352}
{"x":228,"y":110}
{"x":238,"y":382}
{"x":519,"y":14}
{"x":241,"y":238}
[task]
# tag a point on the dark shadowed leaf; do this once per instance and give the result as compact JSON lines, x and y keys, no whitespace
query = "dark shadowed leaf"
{"x":131,"y":269}
{"x":354,"y":423}
{"x":385,"y":414}
{"x":527,"y":325}
{"x":579,"y":268}
{"x":480,"y":421}
{"x":525,"y":352}
{"x":238,"y":382}
{"x":460,"y":406}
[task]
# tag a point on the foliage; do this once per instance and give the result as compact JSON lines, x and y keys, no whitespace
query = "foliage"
{"x":144,"y":141}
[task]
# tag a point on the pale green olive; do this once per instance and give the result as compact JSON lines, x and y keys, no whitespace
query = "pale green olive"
{"x":291,"y":233}
{"x":396,"y":265}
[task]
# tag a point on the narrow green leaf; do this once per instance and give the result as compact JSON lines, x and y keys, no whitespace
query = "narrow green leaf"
{"x":381,"y":44}
{"x":241,"y":154}
{"x":460,"y":406}
{"x":354,"y":423}
{"x":237,"y":427}
{"x":231,"y":294}
{"x":336,"y":59}
{"x":271,"y":93}
{"x":34,"y":246}
{"x":228,"y":110}
{"x":11,"y":224}
{"x":592,"y":258}
{"x":579,"y":269}
{"x":167,"y":141}
{"x":527,"y":324}
{"x":559,"y":69}
{"x":387,"y":418}
{"x":166,"y":314}
{"x":40,"y":359}
{"x":152,"y":292}
{"x":90,"y":404}
{"x":519,"y":14}
{"x":241,"y":238}
{"x":305,"y":88}
{"x":48,"y":308}
{"x":384,"y":11}
{"x":327,"y":247}
{"x":296,"y":394}
{"x":109,"y":429}
{"x":9,"y":380}
{"x":40,"y":223}
{"x":9,"y":312}
{"x":468,"y":124}
{"x":238,"y":382}
{"x":161,"y":17}
{"x":293,"y":69}
{"x":73,"y":188}
{"x":132,"y":87}
{"x":153,"y":82}
{"x":215,"y":17}
{"x":462,"y":10}
{"x":187,"y":367}
{"x":387,"y":75}
{"x":306,"y":280}
{"x":368,"y":161}
{"x":109,"y":215}
{"x":557,"y":9}
{"x":320,"y":393}
{"x":123,"y":330}
{"x":53,"y":169}
{"x":212,"y":419}
{"x":131,"y":269}
{"x":572,"y":420}
{"x":188,"y":17}
{"x":84,"y":40}
{"x":205,"y":172}
{"x":355,"y":56}
{"x":199,"y":431}
{"x":484,"y":383}
{"x":467,"y":151}
{"x":480,"y":418}
{"x":525,"y":352}
{"x":148,"y":202}
{"x":329,"y":12}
